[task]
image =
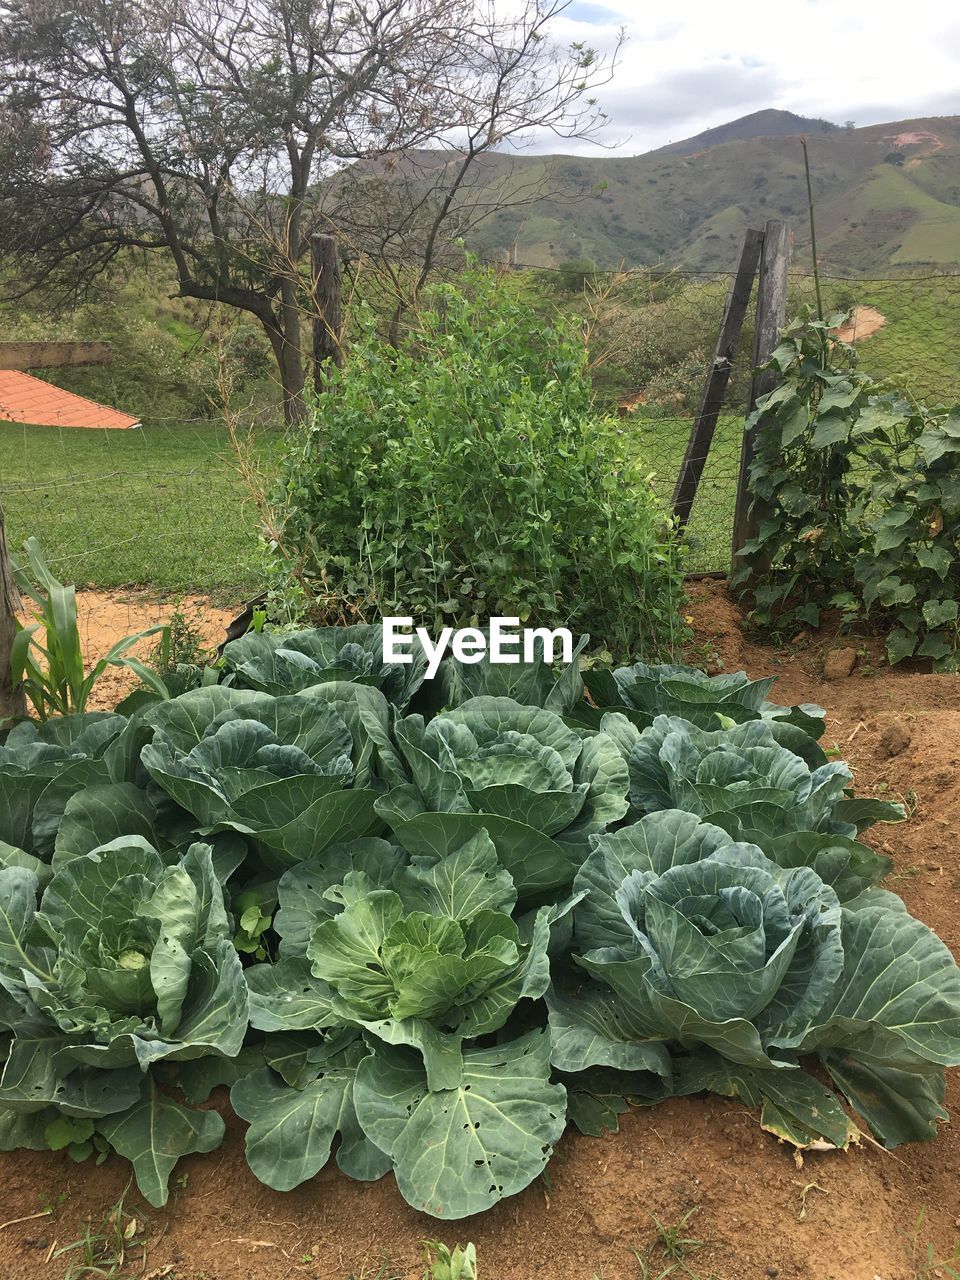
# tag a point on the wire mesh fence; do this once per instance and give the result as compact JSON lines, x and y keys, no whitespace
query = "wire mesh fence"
{"x":165,"y":504}
{"x":653,"y":359}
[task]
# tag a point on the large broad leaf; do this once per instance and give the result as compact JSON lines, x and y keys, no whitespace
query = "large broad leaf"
{"x":847,"y":866}
{"x":460,"y":885}
{"x":458,"y":1151}
{"x":99,"y":814}
{"x":899,"y":1106}
{"x":154,"y":1133}
{"x":590,"y":1030}
{"x":330,"y":819}
{"x":302,"y":890}
{"x":19,"y":794}
{"x":898,"y":998}
{"x":795,"y":1106}
{"x":292,"y":1130}
{"x":18,"y":904}
{"x":536,"y":863}
{"x":35,"y":1076}
{"x":286,"y":996}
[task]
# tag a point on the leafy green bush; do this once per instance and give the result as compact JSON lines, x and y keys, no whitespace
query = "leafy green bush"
{"x":429,"y":926}
{"x":859,"y":499}
{"x":465,"y":476}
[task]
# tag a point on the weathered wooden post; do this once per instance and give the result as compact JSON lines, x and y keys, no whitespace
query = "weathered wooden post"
{"x":325,"y":277}
{"x":771,"y":317}
{"x":705,"y":423}
{"x":12,"y":701}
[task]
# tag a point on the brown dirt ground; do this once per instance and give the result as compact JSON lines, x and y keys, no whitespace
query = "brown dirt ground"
{"x":863,"y":322}
{"x":840,"y":1217}
{"x":104,"y":617}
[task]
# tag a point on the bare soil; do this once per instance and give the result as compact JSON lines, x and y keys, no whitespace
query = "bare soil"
{"x":104,"y":617}
{"x":863,"y":322}
{"x":840,"y":1216}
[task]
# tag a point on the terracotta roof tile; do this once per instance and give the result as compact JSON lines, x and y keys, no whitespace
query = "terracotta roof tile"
{"x":24,"y":398}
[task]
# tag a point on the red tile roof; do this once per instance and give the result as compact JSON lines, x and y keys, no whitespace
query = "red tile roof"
{"x":24,"y":398}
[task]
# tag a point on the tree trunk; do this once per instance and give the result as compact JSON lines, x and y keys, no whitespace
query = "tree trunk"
{"x":12,"y":701}
{"x":290,"y":370}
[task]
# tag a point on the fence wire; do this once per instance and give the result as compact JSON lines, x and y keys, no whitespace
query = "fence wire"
{"x":165,"y":504}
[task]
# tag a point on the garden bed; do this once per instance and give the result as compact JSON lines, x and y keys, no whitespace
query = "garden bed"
{"x":848,"y":1216}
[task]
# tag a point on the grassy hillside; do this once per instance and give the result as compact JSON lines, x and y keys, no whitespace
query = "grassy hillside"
{"x":888,"y":199}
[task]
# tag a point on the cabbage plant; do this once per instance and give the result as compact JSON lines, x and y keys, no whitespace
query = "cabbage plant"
{"x":121,"y":962}
{"x":755,"y":777}
{"x":293,"y":773}
{"x":286,"y":662}
{"x":738,"y":966}
{"x":642,"y":692}
{"x":403,"y":970}
{"x":538,"y":787}
{"x":57,"y":780}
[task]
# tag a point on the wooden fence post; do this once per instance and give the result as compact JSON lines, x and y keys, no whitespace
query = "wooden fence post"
{"x":771,"y":317}
{"x":325,"y":263}
{"x":12,"y":701}
{"x":704,"y":425}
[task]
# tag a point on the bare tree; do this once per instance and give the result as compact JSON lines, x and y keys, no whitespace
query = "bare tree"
{"x":206,"y":131}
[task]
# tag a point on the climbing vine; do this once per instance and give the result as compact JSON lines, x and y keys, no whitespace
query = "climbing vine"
{"x":857,"y":489}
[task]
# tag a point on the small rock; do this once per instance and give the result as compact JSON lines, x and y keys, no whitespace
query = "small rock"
{"x":838,"y":663}
{"x":895,"y":739}
{"x":772,"y":1272}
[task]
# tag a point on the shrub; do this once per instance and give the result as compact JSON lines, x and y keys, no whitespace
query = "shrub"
{"x":465,"y":476}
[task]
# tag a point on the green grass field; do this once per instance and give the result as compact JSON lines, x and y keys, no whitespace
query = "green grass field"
{"x":162,"y":506}
{"x":661,"y":443}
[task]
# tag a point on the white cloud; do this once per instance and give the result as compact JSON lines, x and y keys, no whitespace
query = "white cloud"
{"x":707,"y":63}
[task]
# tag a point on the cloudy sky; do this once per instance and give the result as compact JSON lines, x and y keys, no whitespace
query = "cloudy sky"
{"x":696,"y":63}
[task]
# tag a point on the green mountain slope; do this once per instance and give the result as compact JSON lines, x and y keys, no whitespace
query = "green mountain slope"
{"x":888,"y":198}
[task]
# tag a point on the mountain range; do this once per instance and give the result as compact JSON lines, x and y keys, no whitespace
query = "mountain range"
{"x":887,"y":197}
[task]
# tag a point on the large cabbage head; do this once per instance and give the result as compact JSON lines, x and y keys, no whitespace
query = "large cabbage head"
{"x":294,"y":773}
{"x":752,"y":779}
{"x":738,"y":965}
{"x":540,"y":788}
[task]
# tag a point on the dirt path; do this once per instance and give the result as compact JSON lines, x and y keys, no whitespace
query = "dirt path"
{"x":839,"y":1217}
{"x":863,"y":322}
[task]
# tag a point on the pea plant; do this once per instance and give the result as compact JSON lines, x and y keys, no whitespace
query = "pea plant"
{"x":858,"y":494}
